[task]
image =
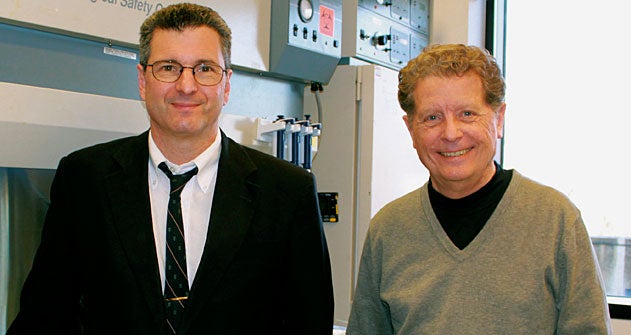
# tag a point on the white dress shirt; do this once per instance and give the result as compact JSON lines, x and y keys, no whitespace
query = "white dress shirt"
{"x":196,"y":200}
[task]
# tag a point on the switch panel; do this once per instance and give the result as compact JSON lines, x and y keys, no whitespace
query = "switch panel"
{"x":385,"y":32}
{"x":306,"y":39}
{"x":419,"y":15}
{"x":328,"y":206}
{"x":400,"y":43}
{"x":394,"y":9}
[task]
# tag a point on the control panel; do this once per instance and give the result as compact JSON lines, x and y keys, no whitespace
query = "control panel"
{"x":306,"y":38}
{"x":386,"y":32}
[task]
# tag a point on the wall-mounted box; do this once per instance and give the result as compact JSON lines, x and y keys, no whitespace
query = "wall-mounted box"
{"x":306,"y":39}
{"x":389,"y":33}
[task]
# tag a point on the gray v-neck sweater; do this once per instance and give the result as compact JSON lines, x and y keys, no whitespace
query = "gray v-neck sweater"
{"x":530,"y":270}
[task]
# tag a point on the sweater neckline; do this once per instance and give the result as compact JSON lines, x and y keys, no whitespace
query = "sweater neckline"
{"x":485,"y":234}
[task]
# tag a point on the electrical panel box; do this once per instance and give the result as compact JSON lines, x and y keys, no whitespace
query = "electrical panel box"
{"x":306,"y":39}
{"x":385,"y":32}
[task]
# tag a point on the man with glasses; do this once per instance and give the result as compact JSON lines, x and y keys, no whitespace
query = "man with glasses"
{"x":180,"y":230}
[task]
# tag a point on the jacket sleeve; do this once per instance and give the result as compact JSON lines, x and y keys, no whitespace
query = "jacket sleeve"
{"x":310,"y":310}
{"x":49,"y":302}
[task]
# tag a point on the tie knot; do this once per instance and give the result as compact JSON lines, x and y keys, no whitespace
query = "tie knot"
{"x":178,"y":180}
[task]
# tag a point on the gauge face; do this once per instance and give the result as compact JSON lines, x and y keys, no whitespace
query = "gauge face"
{"x":305,"y":10}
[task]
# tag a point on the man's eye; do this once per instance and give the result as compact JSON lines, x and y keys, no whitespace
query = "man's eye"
{"x":469,"y":115}
{"x":204,"y":68}
{"x":430,"y":120}
{"x":167,"y":68}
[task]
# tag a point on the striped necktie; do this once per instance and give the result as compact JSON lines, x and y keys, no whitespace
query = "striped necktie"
{"x":176,"y":277}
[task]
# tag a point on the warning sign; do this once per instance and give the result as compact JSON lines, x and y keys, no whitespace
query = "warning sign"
{"x":327,"y":21}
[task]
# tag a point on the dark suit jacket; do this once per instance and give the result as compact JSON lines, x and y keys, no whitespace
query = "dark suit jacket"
{"x":265,"y":266}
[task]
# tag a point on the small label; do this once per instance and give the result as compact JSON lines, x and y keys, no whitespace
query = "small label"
{"x":327,"y":21}
{"x":119,"y":53}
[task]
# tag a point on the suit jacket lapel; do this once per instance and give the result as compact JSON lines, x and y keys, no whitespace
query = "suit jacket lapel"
{"x":128,"y":192}
{"x":230,"y":219}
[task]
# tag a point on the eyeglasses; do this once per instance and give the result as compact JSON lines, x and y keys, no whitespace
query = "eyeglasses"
{"x":170,"y":71}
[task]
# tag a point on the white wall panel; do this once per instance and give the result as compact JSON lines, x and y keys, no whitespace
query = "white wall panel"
{"x":119,"y":21}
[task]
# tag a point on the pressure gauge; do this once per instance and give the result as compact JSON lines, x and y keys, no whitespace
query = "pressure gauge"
{"x":305,"y":10}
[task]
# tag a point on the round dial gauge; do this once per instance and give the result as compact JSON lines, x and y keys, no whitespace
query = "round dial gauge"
{"x":305,"y":10}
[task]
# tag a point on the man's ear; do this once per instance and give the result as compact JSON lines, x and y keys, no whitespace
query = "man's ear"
{"x":141,"y":81}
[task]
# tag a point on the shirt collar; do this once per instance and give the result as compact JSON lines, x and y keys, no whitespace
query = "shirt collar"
{"x":207,"y":163}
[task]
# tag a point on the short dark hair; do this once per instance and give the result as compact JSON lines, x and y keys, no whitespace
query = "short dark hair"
{"x":181,"y":16}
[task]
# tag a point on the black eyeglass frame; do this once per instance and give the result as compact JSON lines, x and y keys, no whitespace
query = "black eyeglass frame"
{"x":223,"y":71}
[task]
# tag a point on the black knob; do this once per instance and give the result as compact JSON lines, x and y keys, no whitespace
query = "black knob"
{"x":382,"y":39}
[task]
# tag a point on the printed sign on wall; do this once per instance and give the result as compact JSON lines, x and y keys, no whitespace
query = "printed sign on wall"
{"x":119,"y":21}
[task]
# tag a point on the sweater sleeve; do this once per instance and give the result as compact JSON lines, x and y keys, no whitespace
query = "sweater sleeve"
{"x":369,"y":314}
{"x":582,"y":301}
